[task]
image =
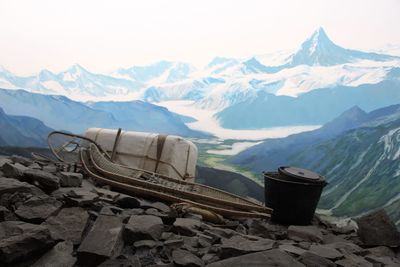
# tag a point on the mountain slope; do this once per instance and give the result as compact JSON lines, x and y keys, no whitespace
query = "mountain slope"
{"x":273,"y":153}
{"x":360,"y":163}
{"x":313,"y":108}
{"x":143,"y":116}
{"x":22,"y":131}
{"x":61,"y":113}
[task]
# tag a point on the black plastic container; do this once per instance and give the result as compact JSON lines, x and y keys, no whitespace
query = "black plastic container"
{"x":293,"y":194}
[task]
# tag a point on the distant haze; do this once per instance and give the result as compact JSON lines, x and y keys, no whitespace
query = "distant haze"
{"x":106,"y":35}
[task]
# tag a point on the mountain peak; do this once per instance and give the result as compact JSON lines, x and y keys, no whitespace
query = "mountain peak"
{"x":76,"y":68}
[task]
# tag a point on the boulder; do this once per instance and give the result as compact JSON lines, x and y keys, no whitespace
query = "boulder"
{"x":14,"y":170}
{"x":47,"y":180}
{"x":313,"y":260}
{"x":70,"y":179}
{"x":305,"y":233}
{"x":266,"y":230}
{"x":38,"y":208}
{"x":104,"y":241}
{"x":376,"y":229}
{"x":238,"y":245}
{"x":69,"y":224}
{"x":20,"y":240}
{"x":60,"y":255}
{"x":273,"y":257}
{"x":143,"y":227}
{"x":185,"y":258}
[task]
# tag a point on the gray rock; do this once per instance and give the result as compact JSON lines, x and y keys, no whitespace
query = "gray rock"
{"x":345,"y":247}
{"x":266,"y":230}
{"x":292,"y":249}
{"x":70,"y":179}
{"x":312,"y":260}
{"x":69,"y":224}
{"x":381,"y":251}
{"x":161,"y":207}
{"x":14,"y":170}
{"x":4,"y":160}
{"x":273,"y":257}
{"x":127,"y":202}
{"x":305,"y":233}
{"x":35,"y":166}
{"x":351,"y":260}
{"x":174,"y":243}
{"x":326,"y":252}
{"x":37,"y":209}
{"x":147,"y":244}
{"x":384,"y":261}
{"x":104,"y":241}
{"x":105,"y":193}
{"x":45,"y":179}
{"x":186,"y":226}
{"x":238,"y":245}
{"x":21,"y":160}
{"x":9,"y":185}
{"x":185,"y":258}
{"x":376,"y":229}
{"x":20,"y":240}
{"x":143,"y":227}
{"x":60,"y":255}
{"x":76,"y":196}
{"x":124,"y":262}
{"x":210,"y":258}
{"x":6,"y":215}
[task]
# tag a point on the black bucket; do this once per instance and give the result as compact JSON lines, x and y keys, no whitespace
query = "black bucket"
{"x":293,"y":194}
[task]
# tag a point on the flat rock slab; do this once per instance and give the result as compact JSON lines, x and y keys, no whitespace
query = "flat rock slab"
{"x":238,"y":245}
{"x":69,"y":224}
{"x":314,"y":260}
{"x":292,"y":249}
{"x":326,"y":251}
{"x":185,"y":258}
{"x":376,"y":229}
{"x":305,"y":233}
{"x":10,"y":185}
{"x":20,"y":240}
{"x":60,"y":255}
{"x":4,"y":161}
{"x":45,"y":179}
{"x":141,"y":227}
{"x":273,"y":257}
{"x":37,"y":209}
{"x":70,"y":179}
{"x":104,"y":241}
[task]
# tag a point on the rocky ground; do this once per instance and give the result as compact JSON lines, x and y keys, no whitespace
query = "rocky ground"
{"x":50,"y":217}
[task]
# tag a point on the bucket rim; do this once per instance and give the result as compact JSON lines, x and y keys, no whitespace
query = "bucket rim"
{"x":321,"y":183}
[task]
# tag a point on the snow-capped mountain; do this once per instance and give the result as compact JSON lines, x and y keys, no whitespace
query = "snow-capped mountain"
{"x":317,"y":63}
{"x":320,"y":50}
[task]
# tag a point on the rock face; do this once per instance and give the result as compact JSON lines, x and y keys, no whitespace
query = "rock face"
{"x":81,"y":225}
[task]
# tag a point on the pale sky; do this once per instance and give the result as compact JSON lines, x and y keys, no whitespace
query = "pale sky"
{"x":105,"y":35}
